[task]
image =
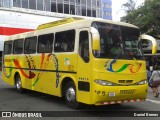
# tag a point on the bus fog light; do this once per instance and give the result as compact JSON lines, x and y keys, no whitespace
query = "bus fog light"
{"x":103,"y":93}
{"x":98,"y":92}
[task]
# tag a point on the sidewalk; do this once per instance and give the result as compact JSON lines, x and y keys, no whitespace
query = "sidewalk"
{"x":151,"y":94}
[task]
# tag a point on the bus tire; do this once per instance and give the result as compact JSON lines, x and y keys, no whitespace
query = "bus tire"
{"x":18,"y":84}
{"x":70,"y":95}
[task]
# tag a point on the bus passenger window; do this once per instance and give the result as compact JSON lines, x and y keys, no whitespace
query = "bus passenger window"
{"x":18,"y":46}
{"x":84,"y":46}
{"x":8,"y":47}
{"x":64,"y":41}
{"x":45,"y":43}
{"x":30,"y":45}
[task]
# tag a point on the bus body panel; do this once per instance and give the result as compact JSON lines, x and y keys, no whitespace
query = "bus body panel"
{"x":84,"y":71}
{"x":38,"y":72}
{"x":125,"y":80}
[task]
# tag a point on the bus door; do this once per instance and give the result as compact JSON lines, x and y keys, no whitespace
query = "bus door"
{"x":84,"y":67}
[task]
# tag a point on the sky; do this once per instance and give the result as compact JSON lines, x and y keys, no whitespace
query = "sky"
{"x":117,"y":11}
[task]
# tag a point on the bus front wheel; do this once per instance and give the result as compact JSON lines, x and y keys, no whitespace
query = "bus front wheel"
{"x":18,"y":84}
{"x":70,"y":95}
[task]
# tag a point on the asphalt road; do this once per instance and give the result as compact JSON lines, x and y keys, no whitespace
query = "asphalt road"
{"x":10,"y":100}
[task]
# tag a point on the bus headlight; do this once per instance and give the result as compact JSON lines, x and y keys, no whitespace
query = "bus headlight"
{"x":142,"y":82}
{"x":104,"y":83}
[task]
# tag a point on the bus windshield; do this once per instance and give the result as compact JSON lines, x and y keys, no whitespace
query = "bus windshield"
{"x":118,"y":42}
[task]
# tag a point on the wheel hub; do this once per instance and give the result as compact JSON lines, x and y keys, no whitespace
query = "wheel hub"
{"x":70,"y":94}
{"x":18,"y":84}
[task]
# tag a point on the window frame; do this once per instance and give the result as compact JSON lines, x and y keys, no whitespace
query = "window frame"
{"x":25,"y":45}
{"x":55,"y":41}
{"x":52,"y":42}
{"x":13,"y":50}
{"x":11,"y":47}
{"x":84,"y":58}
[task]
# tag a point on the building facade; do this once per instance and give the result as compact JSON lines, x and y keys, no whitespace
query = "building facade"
{"x":107,"y":9}
{"x":17,"y":16}
{"x":90,"y":8}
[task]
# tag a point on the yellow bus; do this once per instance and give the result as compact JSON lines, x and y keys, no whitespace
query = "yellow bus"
{"x":90,"y":61}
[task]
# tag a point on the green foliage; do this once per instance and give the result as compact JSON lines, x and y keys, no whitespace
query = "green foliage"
{"x":146,"y":17}
{"x":129,"y":6}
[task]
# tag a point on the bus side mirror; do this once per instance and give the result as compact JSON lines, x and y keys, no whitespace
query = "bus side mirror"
{"x":95,"y":39}
{"x":150,"y":38}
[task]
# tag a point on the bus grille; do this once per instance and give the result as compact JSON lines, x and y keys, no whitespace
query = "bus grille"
{"x":126,"y":92}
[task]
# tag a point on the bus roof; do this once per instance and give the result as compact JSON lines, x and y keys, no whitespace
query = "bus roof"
{"x":59,"y":22}
{"x":74,"y":21}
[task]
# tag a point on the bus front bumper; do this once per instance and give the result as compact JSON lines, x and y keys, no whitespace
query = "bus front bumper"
{"x":119,"y":94}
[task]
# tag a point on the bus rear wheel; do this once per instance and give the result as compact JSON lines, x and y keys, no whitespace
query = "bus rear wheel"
{"x":70,"y":95}
{"x":18,"y":84}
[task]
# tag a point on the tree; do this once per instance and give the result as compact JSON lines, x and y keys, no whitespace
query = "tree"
{"x":129,"y":6}
{"x":146,"y":17}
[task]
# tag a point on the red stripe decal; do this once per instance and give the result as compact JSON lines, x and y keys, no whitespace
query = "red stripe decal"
{"x":12,"y":31}
{"x":109,"y":103}
{"x":31,"y":74}
{"x":102,"y":103}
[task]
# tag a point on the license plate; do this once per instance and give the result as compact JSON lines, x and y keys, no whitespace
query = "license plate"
{"x":112,"y":94}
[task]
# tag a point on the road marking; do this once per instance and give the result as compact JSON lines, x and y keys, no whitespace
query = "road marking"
{"x":153,"y":101}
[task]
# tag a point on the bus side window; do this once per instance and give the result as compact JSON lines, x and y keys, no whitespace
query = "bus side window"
{"x":64,"y":41}
{"x":84,"y":46}
{"x":18,"y":46}
{"x":8,"y":47}
{"x":30,"y":45}
{"x":45,"y":43}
